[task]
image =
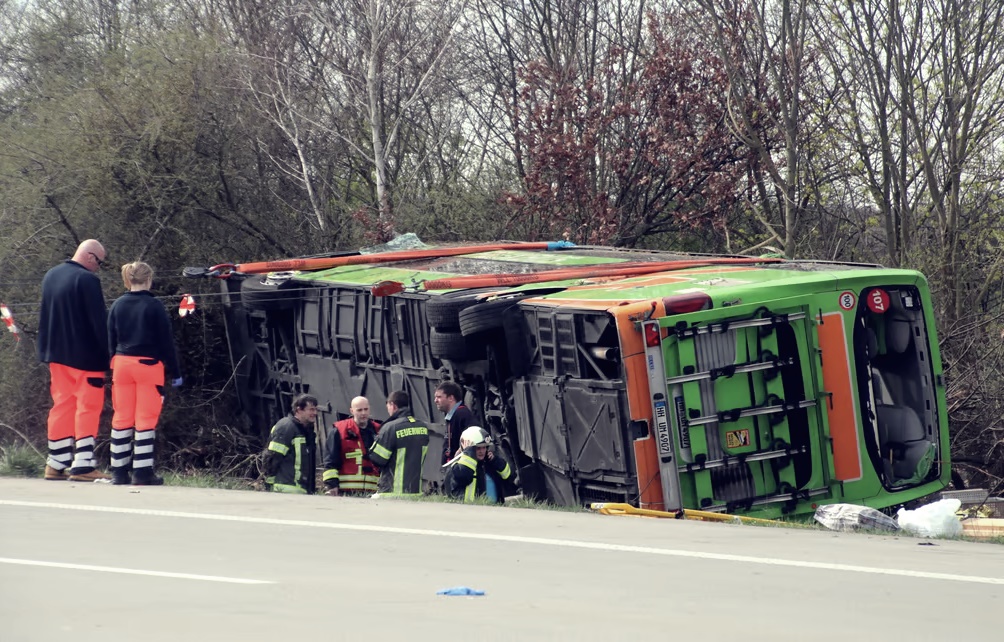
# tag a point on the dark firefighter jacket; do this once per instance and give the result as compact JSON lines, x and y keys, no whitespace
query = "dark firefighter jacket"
{"x":400,"y":451}
{"x":291,"y":459}
{"x":346,"y":456}
{"x":465,"y":478}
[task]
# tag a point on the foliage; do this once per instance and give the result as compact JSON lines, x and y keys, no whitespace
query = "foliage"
{"x":200,"y":479}
{"x":198,"y":133}
{"x":20,"y":460}
{"x":616,"y":159}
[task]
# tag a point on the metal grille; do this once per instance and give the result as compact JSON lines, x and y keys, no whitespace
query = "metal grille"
{"x":734,"y":482}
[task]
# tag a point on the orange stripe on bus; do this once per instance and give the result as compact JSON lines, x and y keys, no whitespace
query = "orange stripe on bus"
{"x":842,"y":407}
{"x":640,"y":399}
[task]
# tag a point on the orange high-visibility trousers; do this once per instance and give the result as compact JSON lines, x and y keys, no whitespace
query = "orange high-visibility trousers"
{"x":137,"y":392}
{"x":78,"y":396}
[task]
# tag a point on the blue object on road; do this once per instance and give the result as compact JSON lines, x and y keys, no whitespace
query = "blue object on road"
{"x":460,"y":590}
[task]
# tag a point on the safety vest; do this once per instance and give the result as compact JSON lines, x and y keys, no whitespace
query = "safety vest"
{"x":356,"y":473}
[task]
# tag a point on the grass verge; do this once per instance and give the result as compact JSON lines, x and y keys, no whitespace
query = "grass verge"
{"x":21,"y":460}
{"x":200,"y":479}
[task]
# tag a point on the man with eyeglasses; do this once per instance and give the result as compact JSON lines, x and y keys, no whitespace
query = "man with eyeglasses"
{"x":73,"y":340}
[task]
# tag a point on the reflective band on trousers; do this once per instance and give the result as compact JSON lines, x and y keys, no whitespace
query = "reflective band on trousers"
{"x":286,"y":488}
{"x":358,"y":482}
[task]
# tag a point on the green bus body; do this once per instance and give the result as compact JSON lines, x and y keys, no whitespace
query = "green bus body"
{"x":763,"y":389}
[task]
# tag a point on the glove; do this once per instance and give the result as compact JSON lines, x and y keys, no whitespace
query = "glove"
{"x":176,"y":383}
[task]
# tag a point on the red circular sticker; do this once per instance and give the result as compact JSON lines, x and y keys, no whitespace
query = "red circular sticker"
{"x":847,"y":300}
{"x":878,"y":301}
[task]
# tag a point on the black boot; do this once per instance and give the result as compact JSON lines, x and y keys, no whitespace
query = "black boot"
{"x":120,"y":476}
{"x":145,"y":477}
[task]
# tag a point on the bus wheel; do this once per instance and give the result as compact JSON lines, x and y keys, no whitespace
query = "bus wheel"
{"x":443,"y":310}
{"x":486,"y":316}
{"x":453,"y":346}
{"x":275,"y":291}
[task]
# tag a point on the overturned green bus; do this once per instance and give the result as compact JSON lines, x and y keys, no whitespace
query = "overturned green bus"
{"x":665,"y":380}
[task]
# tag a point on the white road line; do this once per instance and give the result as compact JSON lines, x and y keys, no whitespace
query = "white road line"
{"x":565,"y":543}
{"x":133,"y":571}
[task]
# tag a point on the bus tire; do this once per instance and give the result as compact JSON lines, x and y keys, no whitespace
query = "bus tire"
{"x":443,"y":311}
{"x":453,"y":346}
{"x":487,"y":316}
{"x":268,"y":292}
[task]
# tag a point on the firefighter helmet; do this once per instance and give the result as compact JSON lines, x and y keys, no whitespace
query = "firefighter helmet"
{"x":476,"y":436}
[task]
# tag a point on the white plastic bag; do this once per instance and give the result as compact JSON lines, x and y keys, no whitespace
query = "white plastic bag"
{"x":849,"y":517}
{"x":932,"y":520}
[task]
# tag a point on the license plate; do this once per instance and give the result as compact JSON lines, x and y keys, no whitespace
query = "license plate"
{"x":662,"y":430}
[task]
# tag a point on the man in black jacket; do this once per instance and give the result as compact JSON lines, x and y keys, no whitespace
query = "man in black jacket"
{"x":400,"y":448}
{"x":73,"y":340}
{"x":477,"y":471}
{"x":449,"y":399}
{"x":290,"y":461}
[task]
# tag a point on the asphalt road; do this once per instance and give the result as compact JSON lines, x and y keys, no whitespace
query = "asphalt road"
{"x":86,"y":562}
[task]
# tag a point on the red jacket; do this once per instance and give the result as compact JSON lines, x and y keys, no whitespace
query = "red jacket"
{"x":346,"y":465}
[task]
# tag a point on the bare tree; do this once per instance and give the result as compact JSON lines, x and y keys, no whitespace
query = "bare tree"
{"x":381,"y":58}
{"x":922,"y":84}
{"x":763,"y":45}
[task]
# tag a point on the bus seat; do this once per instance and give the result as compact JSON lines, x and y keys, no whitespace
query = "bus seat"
{"x":881,"y":388}
{"x":899,"y":326}
{"x":871,"y":343}
{"x":902,"y":440}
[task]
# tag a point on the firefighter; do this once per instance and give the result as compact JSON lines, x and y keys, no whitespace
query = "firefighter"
{"x":400,"y":448}
{"x":449,"y":399}
{"x":347,"y":468}
{"x":477,"y":471}
{"x":290,"y":461}
{"x":142,"y":345}
{"x":73,"y":340}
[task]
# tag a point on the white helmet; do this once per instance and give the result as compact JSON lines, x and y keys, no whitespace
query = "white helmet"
{"x":476,"y":436}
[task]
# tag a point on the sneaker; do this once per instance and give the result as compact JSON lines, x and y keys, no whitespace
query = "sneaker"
{"x":91,"y":476}
{"x":145,"y":477}
{"x":120,"y":476}
{"x":54,"y":475}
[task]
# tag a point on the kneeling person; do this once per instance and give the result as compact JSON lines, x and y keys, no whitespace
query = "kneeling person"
{"x":477,"y":471}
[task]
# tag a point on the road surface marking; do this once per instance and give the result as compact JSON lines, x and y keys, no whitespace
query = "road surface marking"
{"x":133,"y":571}
{"x":543,"y":541}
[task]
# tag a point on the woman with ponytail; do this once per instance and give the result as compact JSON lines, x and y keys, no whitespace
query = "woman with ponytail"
{"x":142,"y":347}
